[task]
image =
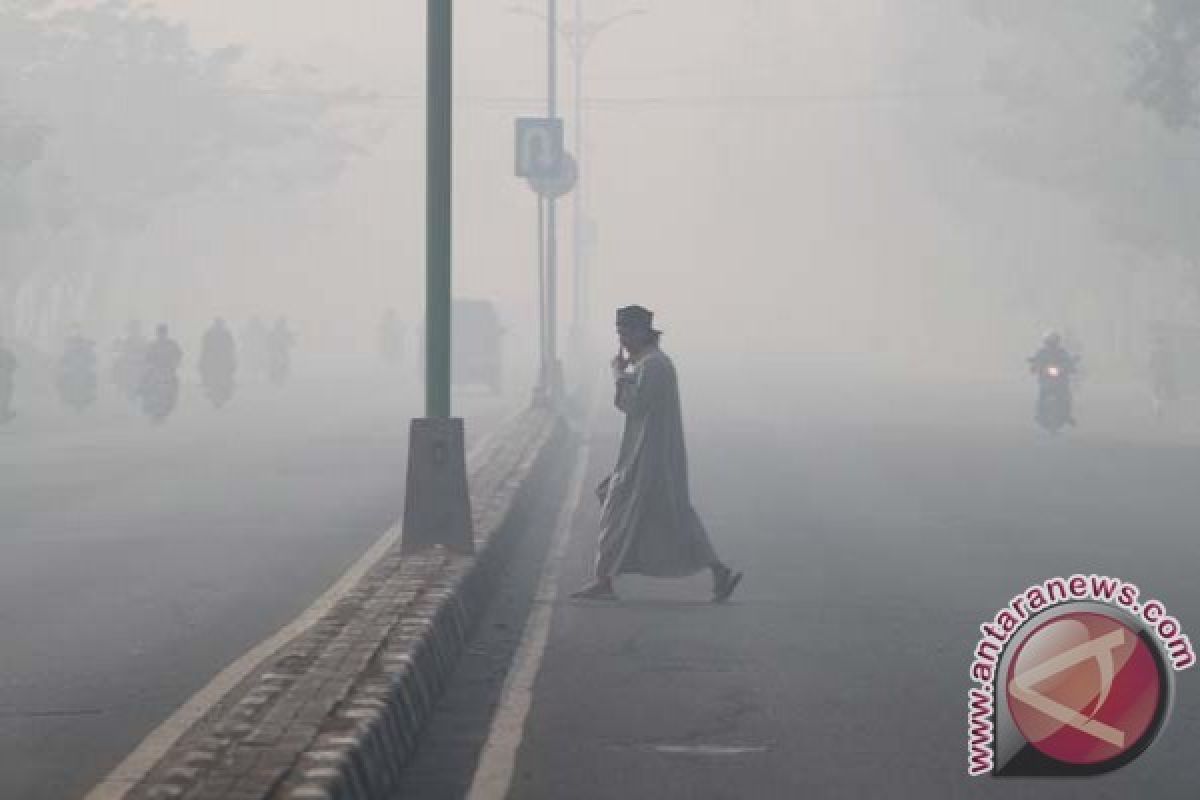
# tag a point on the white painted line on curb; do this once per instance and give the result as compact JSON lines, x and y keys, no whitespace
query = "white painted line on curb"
{"x":138,"y":764}
{"x":493,"y":775}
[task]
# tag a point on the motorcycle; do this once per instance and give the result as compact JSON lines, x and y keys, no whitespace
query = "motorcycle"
{"x":1054,"y":397}
{"x":279,"y":353}
{"x":159,"y":393}
{"x":218,"y":384}
{"x":76,"y":379}
{"x":127,"y":370}
{"x":279,"y":366}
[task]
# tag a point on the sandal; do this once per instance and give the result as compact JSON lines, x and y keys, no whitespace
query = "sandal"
{"x":725,"y":587}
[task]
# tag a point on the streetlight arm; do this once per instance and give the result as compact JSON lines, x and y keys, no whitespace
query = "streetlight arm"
{"x":587,"y":33}
{"x":593,"y":29}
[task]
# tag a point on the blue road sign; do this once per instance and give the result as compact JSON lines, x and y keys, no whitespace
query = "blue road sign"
{"x":539,"y":147}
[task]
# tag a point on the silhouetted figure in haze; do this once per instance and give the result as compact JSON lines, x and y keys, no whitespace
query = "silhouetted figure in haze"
{"x":160,"y":383}
{"x":1054,"y":367}
{"x":129,"y":362}
{"x":279,"y":352}
{"x":76,"y":379}
{"x":255,"y":347}
{"x":1052,"y":352}
{"x":1164,"y":375}
{"x":647,"y":523}
{"x":8,"y":368}
{"x":218,"y":363}
{"x":391,"y":338}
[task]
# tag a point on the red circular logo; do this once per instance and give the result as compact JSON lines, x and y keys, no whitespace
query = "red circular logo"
{"x":1084,"y":688}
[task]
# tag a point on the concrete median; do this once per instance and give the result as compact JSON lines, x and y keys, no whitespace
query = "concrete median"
{"x":336,"y":712}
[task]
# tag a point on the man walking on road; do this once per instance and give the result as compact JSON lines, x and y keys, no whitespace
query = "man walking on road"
{"x":647,"y":523}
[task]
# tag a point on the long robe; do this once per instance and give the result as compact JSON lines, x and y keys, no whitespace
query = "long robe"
{"x":647,"y":523}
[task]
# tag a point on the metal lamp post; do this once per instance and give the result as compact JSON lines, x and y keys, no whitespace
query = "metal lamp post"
{"x":582,"y":35}
{"x":437,"y":506}
{"x":579,"y":35}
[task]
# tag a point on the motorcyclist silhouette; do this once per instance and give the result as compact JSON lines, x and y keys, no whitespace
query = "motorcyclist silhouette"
{"x":1053,"y":366}
{"x":279,"y":352}
{"x":254,"y":347}
{"x":391,"y":338}
{"x":76,"y":381}
{"x":218,"y":363}
{"x":1164,"y":375}
{"x":8,"y":367}
{"x":160,"y":382}
{"x":130,"y":360}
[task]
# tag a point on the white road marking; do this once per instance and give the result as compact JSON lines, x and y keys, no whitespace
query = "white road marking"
{"x":705,"y":750}
{"x":493,"y":775}
{"x":138,"y":764}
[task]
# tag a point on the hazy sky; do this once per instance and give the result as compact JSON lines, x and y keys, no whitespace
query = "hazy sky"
{"x":765,"y":174}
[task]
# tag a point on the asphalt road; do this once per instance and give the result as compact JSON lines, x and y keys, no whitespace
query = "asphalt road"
{"x":136,"y":562}
{"x":878,"y":525}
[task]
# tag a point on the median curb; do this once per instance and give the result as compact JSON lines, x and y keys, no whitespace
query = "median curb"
{"x":337,"y":712}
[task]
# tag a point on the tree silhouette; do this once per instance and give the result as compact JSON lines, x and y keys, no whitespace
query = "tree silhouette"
{"x":111,"y":118}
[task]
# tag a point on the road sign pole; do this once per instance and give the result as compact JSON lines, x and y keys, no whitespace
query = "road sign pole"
{"x":554,"y":378}
{"x":437,"y":506}
{"x":541,"y":253}
{"x":552,"y":294}
{"x":550,"y":171}
{"x":577,"y":316}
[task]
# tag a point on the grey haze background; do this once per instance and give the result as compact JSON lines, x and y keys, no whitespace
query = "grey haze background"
{"x":828,"y":202}
{"x":901,"y":178}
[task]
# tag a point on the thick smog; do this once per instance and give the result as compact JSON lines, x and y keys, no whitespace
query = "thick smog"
{"x":578,"y":399}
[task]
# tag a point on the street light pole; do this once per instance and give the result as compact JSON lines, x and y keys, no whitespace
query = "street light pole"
{"x":579,"y":37}
{"x":437,"y":506}
{"x":584,"y":36}
{"x":438,"y":206}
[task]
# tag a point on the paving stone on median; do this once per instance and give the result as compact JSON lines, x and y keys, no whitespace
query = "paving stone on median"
{"x":335,"y":713}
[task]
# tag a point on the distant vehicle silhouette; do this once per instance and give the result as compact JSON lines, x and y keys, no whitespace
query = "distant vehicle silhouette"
{"x":254,"y":347}
{"x":391,"y":338}
{"x":159,"y":391}
{"x":477,"y":341}
{"x":279,"y":352}
{"x":8,"y":368}
{"x":76,"y":378}
{"x":218,"y":363}
{"x":1053,"y":367}
{"x":130,"y":361}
